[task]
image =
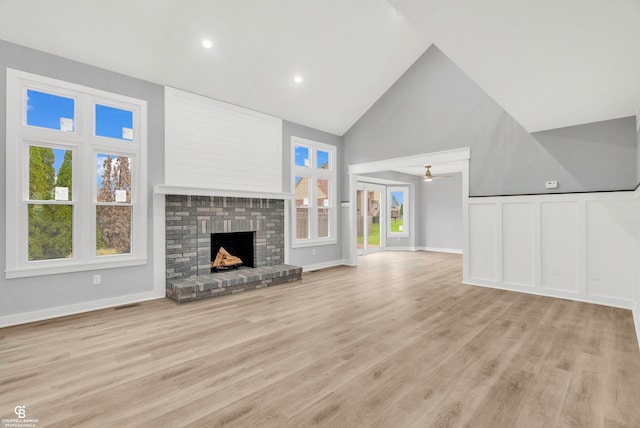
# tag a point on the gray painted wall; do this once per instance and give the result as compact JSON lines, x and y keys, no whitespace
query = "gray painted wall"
{"x":434,"y":106}
{"x":598,"y":156}
{"x":44,"y":292}
{"x":323,"y":253}
{"x":440,"y":213}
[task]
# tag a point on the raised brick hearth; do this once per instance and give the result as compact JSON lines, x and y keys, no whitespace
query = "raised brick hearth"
{"x":234,"y":281}
{"x":190,"y":221}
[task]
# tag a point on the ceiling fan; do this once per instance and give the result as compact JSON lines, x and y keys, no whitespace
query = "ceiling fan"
{"x":428,"y":177}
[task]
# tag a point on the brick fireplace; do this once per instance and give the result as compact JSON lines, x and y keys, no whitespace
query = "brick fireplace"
{"x":190,"y":222}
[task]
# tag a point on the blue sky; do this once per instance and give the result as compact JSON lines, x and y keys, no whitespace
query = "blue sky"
{"x":302,"y":153}
{"x":45,"y":110}
{"x":399,"y":197}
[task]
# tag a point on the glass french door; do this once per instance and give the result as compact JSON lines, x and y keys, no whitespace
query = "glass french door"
{"x":370,"y":218}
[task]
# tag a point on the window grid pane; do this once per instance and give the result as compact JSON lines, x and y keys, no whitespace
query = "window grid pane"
{"x":322,"y":159}
{"x":50,"y":111}
{"x":113,"y":122}
{"x":323,"y":223}
{"x":113,"y":178}
{"x":113,"y":229}
{"x":302,"y":191}
{"x":302,"y":223}
{"x":302,"y":156}
{"x":50,"y":231}
{"x":322,"y":192}
{"x":50,"y":174}
{"x":397,"y":212}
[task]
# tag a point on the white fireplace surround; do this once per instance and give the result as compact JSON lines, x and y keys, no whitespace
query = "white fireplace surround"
{"x":209,"y":141}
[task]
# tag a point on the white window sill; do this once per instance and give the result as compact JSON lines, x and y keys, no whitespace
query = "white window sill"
{"x":313,"y":243}
{"x":73,"y":267}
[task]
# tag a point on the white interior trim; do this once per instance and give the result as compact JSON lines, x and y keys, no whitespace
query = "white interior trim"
{"x":324,"y":265}
{"x":159,"y":246}
{"x":163,"y":189}
{"x":439,"y":158}
{"x":456,"y":160}
{"x":559,"y":245}
{"x":636,"y":322}
{"x":616,"y":303}
{"x":62,"y":311}
{"x":375,"y":180}
{"x":440,"y":250}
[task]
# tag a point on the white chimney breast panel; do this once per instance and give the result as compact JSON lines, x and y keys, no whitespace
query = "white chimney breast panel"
{"x":212,"y":144}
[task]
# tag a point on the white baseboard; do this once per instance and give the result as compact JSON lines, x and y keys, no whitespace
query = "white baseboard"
{"x":61,"y":311}
{"x":440,"y":250}
{"x":598,"y":300}
{"x":388,"y":248}
{"x":324,"y":265}
{"x":636,"y":322}
{"x":433,"y":249}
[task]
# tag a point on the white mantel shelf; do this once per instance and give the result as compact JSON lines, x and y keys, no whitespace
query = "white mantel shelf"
{"x":164,"y":189}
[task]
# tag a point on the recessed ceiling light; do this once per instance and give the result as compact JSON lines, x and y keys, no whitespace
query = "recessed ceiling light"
{"x":206,"y":43}
{"x":297,"y":78}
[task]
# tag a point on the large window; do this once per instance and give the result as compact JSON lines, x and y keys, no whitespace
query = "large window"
{"x":76,"y":188}
{"x":314,"y":184}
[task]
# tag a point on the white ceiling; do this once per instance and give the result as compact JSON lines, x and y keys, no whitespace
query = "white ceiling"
{"x":548,"y":63}
{"x":349,"y":52}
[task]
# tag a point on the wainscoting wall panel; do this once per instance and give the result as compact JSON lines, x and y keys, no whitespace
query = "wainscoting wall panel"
{"x":518,"y":243}
{"x":559,"y":255}
{"x":483,"y":241}
{"x":577,"y":246}
{"x":611,"y":248}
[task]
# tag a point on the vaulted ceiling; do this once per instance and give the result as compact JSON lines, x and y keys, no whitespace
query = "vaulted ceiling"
{"x":549,"y":64}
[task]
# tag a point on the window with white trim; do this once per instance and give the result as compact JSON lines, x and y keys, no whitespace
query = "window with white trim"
{"x":76,"y":184}
{"x":314,"y":175}
{"x":398,"y":211}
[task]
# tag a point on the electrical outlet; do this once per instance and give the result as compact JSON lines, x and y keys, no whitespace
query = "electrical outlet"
{"x":551,"y":184}
{"x":97,"y":279}
{"x":313,"y":252}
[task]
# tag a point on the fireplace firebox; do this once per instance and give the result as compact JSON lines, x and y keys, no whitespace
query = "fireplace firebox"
{"x":237,"y":247}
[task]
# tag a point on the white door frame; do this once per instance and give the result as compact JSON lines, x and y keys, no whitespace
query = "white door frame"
{"x":447,"y":161}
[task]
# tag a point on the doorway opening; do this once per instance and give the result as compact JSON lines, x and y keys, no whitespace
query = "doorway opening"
{"x":412,"y":168}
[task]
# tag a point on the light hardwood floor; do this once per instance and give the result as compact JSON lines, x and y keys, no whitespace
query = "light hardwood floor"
{"x":396,"y":342}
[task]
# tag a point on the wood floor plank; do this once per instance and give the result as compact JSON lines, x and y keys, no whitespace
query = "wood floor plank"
{"x":397,"y":341}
